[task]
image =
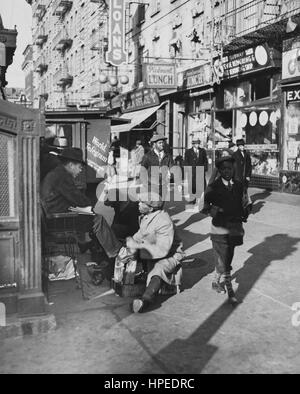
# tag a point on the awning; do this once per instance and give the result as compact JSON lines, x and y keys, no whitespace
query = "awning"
{"x":136,"y":118}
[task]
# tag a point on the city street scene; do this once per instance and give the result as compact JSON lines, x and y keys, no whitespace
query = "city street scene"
{"x":150,"y":189}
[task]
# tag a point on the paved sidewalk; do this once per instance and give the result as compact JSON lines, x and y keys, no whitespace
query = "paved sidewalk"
{"x":196,"y":331}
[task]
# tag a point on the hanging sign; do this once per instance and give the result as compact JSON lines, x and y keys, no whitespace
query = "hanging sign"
{"x":159,"y":76}
{"x":248,"y":60}
{"x":290,"y":59}
{"x":2,"y":55}
{"x":293,"y":95}
{"x":98,"y":145}
{"x":197,"y":77}
{"x":116,"y":54}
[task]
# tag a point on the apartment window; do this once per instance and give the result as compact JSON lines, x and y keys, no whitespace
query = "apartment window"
{"x":82,"y":59}
{"x":155,"y":7}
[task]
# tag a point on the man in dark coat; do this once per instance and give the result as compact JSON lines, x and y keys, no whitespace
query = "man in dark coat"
{"x":196,"y":157}
{"x":155,"y":166}
{"x":59,"y":192}
{"x":243,"y":165}
{"x":224,"y":202}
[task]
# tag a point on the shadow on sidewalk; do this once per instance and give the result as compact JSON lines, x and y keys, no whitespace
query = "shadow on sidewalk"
{"x":193,"y":354}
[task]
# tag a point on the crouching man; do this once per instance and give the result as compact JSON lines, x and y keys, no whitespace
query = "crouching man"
{"x":158,"y":244}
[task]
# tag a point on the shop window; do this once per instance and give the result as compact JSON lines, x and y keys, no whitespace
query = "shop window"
{"x":260,"y":88}
{"x":293,"y":131}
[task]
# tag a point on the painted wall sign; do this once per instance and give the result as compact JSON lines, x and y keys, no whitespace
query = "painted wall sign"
{"x":249,"y":60}
{"x":116,"y":54}
{"x":197,"y":77}
{"x":290,"y":59}
{"x":139,"y":99}
{"x":159,"y":76}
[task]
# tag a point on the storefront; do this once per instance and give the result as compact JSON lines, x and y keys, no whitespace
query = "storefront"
{"x":290,"y":173}
{"x":89,"y":130}
{"x":248,"y":106}
{"x":143,"y":113}
{"x":196,"y":89}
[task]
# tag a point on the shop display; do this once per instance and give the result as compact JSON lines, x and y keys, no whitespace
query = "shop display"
{"x":265,"y":163}
{"x":253,"y":119}
{"x":263,"y":118}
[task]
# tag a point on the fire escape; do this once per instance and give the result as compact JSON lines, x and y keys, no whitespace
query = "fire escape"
{"x":61,"y":43}
{"x":252,"y":23}
{"x":99,"y":44}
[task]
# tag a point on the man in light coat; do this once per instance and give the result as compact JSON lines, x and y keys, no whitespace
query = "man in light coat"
{"x":158,"y":244}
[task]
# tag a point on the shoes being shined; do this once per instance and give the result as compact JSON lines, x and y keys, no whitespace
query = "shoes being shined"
{"x":137,"y":305}
{"x":218,"y":287}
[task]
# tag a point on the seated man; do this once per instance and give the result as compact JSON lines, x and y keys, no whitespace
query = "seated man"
{"x":158,"y":244}
{"x":59,"y":193}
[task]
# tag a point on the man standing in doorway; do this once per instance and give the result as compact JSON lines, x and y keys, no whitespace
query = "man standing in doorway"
{"x":157,"y":164}
{"x":196,"y":157}
{"x":243,"y":165}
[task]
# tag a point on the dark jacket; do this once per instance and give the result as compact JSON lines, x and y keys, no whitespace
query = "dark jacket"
{"x":59,"y":192}
{"x":191,"y":159}
{"x":151,"y":160}
{"x":230,"y":201}
{"x":242,"y":166}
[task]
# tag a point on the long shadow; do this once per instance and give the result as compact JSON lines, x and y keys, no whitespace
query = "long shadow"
{"x":193,"y":354}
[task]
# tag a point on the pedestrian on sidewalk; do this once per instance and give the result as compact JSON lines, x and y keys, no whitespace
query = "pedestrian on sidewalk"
{"x":155,"y":167}
{"x":224,"y":202}
{"x":159,"y":246}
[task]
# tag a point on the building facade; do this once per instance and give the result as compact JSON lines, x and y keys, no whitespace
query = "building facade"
{"x":69,"y":43}
{"x":27,"y":68}
{"x":211,"y":69}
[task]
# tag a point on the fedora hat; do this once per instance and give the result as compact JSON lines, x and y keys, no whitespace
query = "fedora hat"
{"x":240,"y":142}
{"x":158,"y":137}
{"x":73,"y":155}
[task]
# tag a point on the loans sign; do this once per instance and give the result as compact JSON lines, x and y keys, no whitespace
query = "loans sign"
{"x":116,"y":54}
{"x":159,"y":76}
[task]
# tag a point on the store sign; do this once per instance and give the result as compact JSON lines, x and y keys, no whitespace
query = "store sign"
{"x":2,"y":55}
{"x":262,"y":147}
{"x":159,"y":76}
{"x":116,"y":54}
{"x":293,"y":95}
{"x":98,"y":145}
{"x":196,"y":77}
{"x":246,"y":61}
{"x":134,"y":101}
{"x":291,"y":59}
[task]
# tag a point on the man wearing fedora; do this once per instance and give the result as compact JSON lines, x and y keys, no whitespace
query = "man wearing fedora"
{"x":243,"y":165}
{"x":224,"y":202}
{"x":196,"y":157}
{"x":155,"y":166}
{"x":59,"y":192}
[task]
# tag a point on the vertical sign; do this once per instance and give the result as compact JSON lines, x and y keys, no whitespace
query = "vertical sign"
{"x":2,"y":55}
{"x":116,"y":54}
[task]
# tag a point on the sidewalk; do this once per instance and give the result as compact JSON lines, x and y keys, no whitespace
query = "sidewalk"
{"x":196,"y":331}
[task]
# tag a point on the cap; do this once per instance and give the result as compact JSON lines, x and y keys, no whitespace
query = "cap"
{"x":224,"y":159}
{"x":151,"y":199}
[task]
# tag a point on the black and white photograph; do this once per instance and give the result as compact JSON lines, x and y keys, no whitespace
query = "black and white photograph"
{"x":149,"y":190}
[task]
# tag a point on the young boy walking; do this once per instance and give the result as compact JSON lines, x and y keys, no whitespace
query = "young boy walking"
{"x":224,"y":202}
